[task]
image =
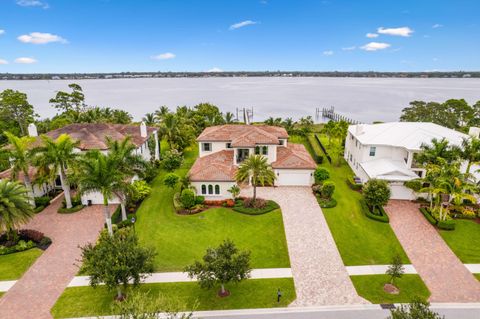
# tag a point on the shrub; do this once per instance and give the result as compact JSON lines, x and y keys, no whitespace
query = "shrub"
{"x":76,"y":201}
{"x":354,"y":186}
{"x":44,"y":243}
{"x":176,"y":202}
{"x":42,"y":201}
{"x":223,"y":202}
{"x":269,"y":206}
{"x":139,"y":190}
{"x":376,"y":192}
{"x":74,"y":209}
{"x":187,"y":198}
{"x":38,"y":209}
{"x":317,"y":189}
{"x":151,"y":171}
{"x":428,"y":216}
{"x":327,"y":189}
{"x":446,"y":224}
{"x":321,"y":174}
{"x":31,"y":234}
{"x":172,"y":160}
{"x":414,"y":184}
{"x":257,"y":203}
{"x":378,"y":214}
{"x":171,"y":180}
{"x":326,"y":203}
{"x":199,"y":200}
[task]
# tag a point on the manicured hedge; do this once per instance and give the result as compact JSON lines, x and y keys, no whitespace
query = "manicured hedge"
{"x":271,"y":205}
{"x":74,"y":209}
{"x":317,"y":151}
{"x":326,"y":203}
{"x":353,"y":186}
{"x":38,"y":209}
{"x":443,"y":224}
{"x":382,"y":217}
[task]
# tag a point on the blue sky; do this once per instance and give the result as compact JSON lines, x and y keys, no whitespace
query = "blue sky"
{"x":234,"y":35}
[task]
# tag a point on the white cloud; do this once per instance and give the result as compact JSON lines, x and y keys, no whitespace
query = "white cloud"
{"x":33,"y":3}
{"x":2,"y":61}
{"x":402,"y":32}
{"x":2,"y":31}
{"x":374,"y":46}
{"x":215,"y":69}
{"x":242,"y":24}
{"x":41,"y":38}
{"x":328,"y":53}
{"x":349,"y":48}
{"x":371,"y":35}
{"x":164,"y":56}
{"x":25,"y":60}
{"x":437,"y":25}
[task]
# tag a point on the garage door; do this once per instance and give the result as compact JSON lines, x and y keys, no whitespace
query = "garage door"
{"x":293,"y":178}
{"x":401,"y":192}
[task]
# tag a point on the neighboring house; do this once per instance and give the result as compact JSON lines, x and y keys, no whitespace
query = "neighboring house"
{"x":92,"y":136}
{"x":387,"y":151}
{"x":223,"y":148}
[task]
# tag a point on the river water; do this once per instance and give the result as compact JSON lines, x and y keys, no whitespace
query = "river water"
{"x":362,"y":99}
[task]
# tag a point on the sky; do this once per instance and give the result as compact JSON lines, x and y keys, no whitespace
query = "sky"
{"x":61,"y":36}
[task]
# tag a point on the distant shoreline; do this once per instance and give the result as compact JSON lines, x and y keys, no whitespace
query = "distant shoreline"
{"x":130,"y":75}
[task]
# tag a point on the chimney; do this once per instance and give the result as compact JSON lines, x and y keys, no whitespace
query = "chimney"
{"x":359,"y":129}
{"x":32,"y":130}
{"x":474,"y":132}
{"x":143,"y":130}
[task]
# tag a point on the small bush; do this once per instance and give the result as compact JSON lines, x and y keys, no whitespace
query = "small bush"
{"x":171,"y":160}
{"x":199,"y":200}
{"x":42,"y":201}
{"x":321,"y":174}
{"x":139,"y":190}
{"x":240,"y":207}
{"x":326,"y":203}
{"x":222,"y":202}
{"x":327,"y":189}
{"x":76,"y":201}
{"x":446,"y":224}
{"x":31,"y":234}
{"x":176,"y":202}
{"x":74,"y":209}
{"x":317,"y":189}
{"x":44,"y":243}
{"x":257,"y":203}
{"x":376,"y":192}
{"x":187,"y":198}
{"x":171,"y":180}
{"x":22,"y":245}
{"x":354,"y":186}
{"x":377,"y":214}
{"x":151,"y":171}
{"x":38,"y":209}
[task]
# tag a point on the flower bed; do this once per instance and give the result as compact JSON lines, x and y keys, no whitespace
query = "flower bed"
{"x":27,"y":239}
{"x":441,"y":224}
{"x":242,"y":206}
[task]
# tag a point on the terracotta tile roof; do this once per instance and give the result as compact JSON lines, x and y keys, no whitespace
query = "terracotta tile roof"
{"x":294,"y":156}
{"x":214,"y":167}
{"x":244,"y":135}
{"x":7,"y":174}
{"x":93,"y":135}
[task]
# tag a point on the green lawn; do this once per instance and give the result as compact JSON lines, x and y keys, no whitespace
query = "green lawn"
{"x":477,"y":276}
{"x":179,"y":240}
{"x":12,"y":266}
{"x":361,"y":241}
{"x":254,"y":293}
{"x":370,"y":287}
{"x":464,"y":240}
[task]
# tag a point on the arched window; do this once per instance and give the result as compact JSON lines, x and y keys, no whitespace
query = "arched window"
{"x":217,"y":189}
{"x":265,"y":150}
{"x":257,"y":150}
{"x":210,"y":189}
{"x":204,"y":189}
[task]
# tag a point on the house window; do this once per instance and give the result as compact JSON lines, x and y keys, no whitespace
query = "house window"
{"x":228,"y":145}
{"x":373,"y":149}
{"x":257,"y":150}
{"x":206,"y":147}
{"x":204,"y":189}
{"x":281,"y":142}
{"x":261,"y":150}
{"x":210,"y":189}
{"x":356,"y":143}
{"x":351,"y":137}
{"x":265,"y":150}
{"x":351,"y":157}
{"x":217,"y":189}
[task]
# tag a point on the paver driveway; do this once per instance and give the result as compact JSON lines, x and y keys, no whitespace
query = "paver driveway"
{"x":443,"y":273}
{"x":318,"y":271}
{"x":35,"y":293}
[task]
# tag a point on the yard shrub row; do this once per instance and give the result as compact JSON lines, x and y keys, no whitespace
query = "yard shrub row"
{"x":317,"y":151}
{"x":378,"y":215}
{"x":270,"y":206}
{"x":324,"y":203}
{"x":28,"y":238}
{"x":74,"y":209}
{"x":441,"y":224}
{"x":354,"y":186}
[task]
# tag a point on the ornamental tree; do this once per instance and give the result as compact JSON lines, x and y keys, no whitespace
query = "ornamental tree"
{"x":376,"y":192}
{"x":321,"y":174}
{"x":117,"y":260}
{"x":171,"y":180}
{"x":221,"y":265}
{"x":417,"y":309}
{"x":396,"y":269}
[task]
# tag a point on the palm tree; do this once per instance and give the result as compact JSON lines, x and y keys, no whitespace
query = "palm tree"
{"x":256,"y":169}
{"x":470,"y":152}
{"x":20,"y":157}
{"x":176,"y":132}
{"x":15,"y":208}
{"x":439,"y":149}
{"x":161,"y":113}
{"x":150,"y":119}
{"x":98,"y":172}
{"x":58,"y":155}
{"x":229,"y":118}
{"x":288,"y":124}
{"x":128,"y":163}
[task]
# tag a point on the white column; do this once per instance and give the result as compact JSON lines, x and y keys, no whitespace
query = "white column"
{"x":157,"y":146}
{"x":410,"y":159}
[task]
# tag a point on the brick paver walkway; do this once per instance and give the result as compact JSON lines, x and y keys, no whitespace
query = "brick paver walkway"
{"x":318,"y":271}
{"x":35,"y":293}
{"x":443,"y":273}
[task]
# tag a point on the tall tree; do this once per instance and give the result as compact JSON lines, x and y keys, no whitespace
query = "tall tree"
{"x":128,"y":163}
{"x":57,"y":155}
{"x":436,"y":151}
{"x":150,"y":119}
{"x":70,"y":102}
{"x":229,"y":118}
{"x":15,"y":111}
{"x":20,"y":154}
{"x":176,"y":132}
{"x":470,"y":152}
{"x":256,"y":170}
{"x":15,"y":208}
{"x":98,"y":172}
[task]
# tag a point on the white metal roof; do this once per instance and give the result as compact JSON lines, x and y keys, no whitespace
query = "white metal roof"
{"x":387,"y":169}
{"x":409,"y":135}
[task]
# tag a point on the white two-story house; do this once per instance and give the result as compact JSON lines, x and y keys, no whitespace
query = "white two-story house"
{"x":92,"y":136}
{"x":387,"y":151}
{"x":223,"y":148}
